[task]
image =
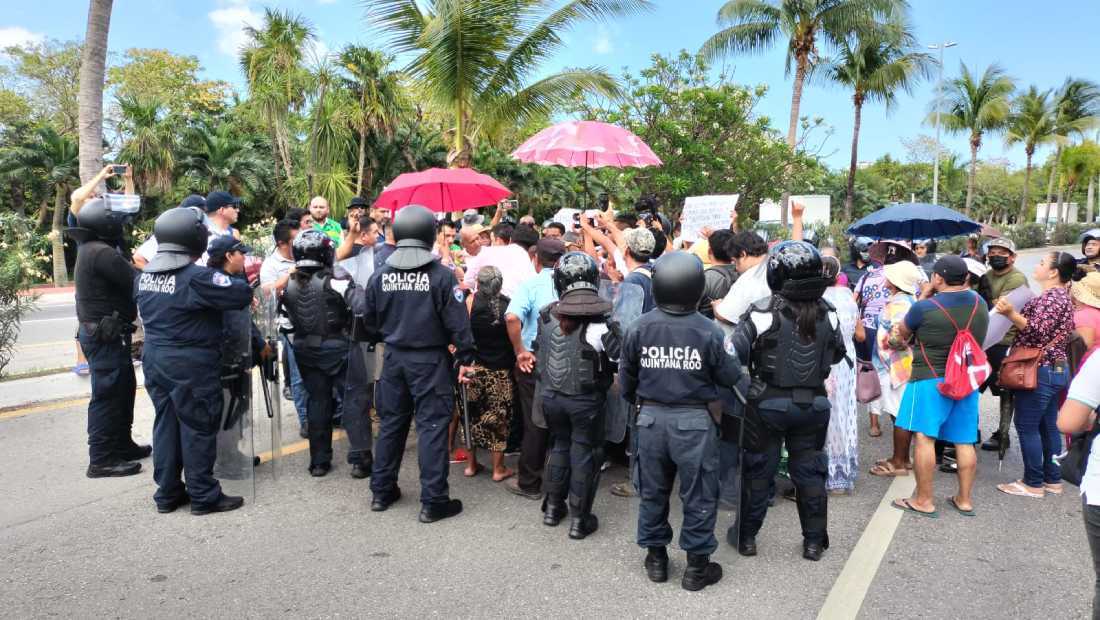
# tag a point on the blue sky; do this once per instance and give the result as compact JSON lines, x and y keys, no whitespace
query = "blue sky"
{"x":1036,"y":42}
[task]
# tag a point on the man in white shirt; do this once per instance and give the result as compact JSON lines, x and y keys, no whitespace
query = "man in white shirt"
{"x":513,"y":261}
{"x":750,"y":254}
{"x":222,"y":210}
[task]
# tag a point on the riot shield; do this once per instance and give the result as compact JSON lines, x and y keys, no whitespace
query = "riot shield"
{"x":626,"y":307}
{"x":268,"y":377}
{"x":234,"y":464}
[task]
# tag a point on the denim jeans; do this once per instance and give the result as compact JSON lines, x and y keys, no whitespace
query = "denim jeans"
{"x":297,"y":386}
{"x":1092,"y":531}
{"x":1036,"y":424}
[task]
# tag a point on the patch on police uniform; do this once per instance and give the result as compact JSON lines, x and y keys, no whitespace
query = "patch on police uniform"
{"x":460,"y":295}
{"x":727,"y":344}
{"x":220,"y":279}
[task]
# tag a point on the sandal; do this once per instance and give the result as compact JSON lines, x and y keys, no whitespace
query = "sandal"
{"x":1018,"y":488}
{"x":966,"y":513}
{"x":887,"y":470}
{"x":875,"y":432}
{"x":1056,"y":488}
{"x":903,"y":505}
{"x":908,"y":466}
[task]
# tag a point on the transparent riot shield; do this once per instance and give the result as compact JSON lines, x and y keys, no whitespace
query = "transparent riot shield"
{"x":235,"y":460}
{"x":626,"y":307}
{"x":267,"y":375}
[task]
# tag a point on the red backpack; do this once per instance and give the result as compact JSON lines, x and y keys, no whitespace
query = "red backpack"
{"x":967,"y":367}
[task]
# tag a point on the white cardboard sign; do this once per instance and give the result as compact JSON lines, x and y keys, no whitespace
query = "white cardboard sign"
{"x":712,"y":212}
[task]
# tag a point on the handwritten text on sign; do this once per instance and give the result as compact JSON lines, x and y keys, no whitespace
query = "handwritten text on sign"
{"x":711,"y":212}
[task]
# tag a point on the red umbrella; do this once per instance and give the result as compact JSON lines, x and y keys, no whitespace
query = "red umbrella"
{"x":442,"y":190}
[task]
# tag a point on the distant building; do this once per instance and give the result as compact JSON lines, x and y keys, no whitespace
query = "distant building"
{"x":1048,"y":213}
{"x":817,"y":210}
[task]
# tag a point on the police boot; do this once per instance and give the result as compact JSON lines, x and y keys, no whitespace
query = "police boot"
{"x":700,"y":572}
{"x":114,"y":469}
{"x":553,"y":511}
{"x":362,"y":470}
{"x":225,"y":503}
{"x":813,"y":550}
{"x":656,"y":564}
{"x":582,"y":526}
{"x":431,"y":513}
{"x":747,"y":546}
{"x":382,"y":502}
{"x":134,"y":452}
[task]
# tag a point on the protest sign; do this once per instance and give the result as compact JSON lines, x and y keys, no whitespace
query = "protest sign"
{"x":711,"y":212}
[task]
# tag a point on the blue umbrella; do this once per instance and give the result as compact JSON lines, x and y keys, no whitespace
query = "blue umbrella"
{"x":914,"y":220}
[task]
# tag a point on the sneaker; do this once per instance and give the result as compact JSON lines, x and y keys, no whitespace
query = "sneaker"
{"x":512,"y":486}
{"x":623,"y":489}
{"x":81,"y":370}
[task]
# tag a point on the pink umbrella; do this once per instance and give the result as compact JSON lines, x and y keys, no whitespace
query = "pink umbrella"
{"x":442,"y":190}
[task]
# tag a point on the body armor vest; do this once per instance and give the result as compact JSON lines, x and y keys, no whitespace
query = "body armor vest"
{"x":782,"y":358}
{"x":566,"y":363}
{"x":316,"y":311}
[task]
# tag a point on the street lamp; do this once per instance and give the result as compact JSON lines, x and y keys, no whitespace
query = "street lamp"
{"x":939,"y":99}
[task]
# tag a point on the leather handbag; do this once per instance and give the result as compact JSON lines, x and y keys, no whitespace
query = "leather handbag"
{"x":868,"y":387}
{"x":1020,"y":368}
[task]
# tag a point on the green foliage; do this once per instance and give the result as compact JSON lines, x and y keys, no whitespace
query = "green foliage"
{"x":47,"y":74}
{"x":1067,"y":234}
{"x":160,"y":75}
{"x":1028,"y":235}
{"x":16,"y":276}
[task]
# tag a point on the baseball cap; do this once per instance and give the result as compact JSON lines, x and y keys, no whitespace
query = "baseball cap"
{"x":194,"y":200}
{"x":975,"y":267}
{"x":550,"y":250}
{"x":221,"y":245}
{"x":951,"y":268}
{"x":471,"y":216}
{"x":1001,"y":242}
{"x":218,"y":199}
{"x":358,"y":203}
{"x":640,"y":241}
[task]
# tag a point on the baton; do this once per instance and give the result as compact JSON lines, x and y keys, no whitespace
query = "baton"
{"x":466,"y":415}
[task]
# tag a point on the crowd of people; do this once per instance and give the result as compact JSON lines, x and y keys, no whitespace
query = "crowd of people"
{"x":574,"y":345}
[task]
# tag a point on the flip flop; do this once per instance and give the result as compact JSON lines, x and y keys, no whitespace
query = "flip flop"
{"x":955,"y":505}
{"x":908,"y":467}
{"x":905,"y":506}
{"x":1018,"y":489}
{"x":477,"y":470}
{"x":886,"y":470}
{"x":1056,"y":489}
{"x":875,"y":432}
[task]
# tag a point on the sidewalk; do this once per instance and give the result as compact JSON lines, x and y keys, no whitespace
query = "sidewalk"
{"x":48,"y":388}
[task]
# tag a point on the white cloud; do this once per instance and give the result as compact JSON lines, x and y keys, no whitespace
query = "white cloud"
{"x":230,"y":22}
{"x":15,"y":35}
{"x":603,"y":43}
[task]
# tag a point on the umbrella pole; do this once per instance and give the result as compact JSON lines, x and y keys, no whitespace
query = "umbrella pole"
{"x":586,"y":180}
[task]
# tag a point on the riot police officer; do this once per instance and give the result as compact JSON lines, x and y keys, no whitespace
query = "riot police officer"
{"x":574,"y":374}
{"x":417,"y":309}
{"x":673,"y":362}
{"x":791,"y":340}
{"x":105,"y":309}
{"x":182,"y":305}
{"x":315,"y":304}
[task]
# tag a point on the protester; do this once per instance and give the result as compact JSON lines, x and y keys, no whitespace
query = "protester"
{"x":105,"y":311}
{"x":928,"y":414}
{"x":472,"y":237}
{"x":1001,"y":279}
{"x":1078,"y":415}
{"x":1090,"y":248}
{"x":302,"y":216}
{"x":750,"y":254}
{"x":860,"y":263}
{"x":790,"y":339}
{"x":1045,"y":323}
{"x":575,"y":374}
{"x":513,"y":261}
{"x":319,"y":219}
{"x":925,"y":249}
{"x":553,"y":230}
{"x":321,"y":321}
{"x":357,"y":208}
{"x":893,"y":361}
{"x":973,"y":248}
{"x":721,"y":274}
{"x":360,"y":233}
{"x":521,"y":317}
{"x":181,"y":304}
{"x":842,"y":439}
{"x":1086,"y":316}
{"x":639,"y":248}
{"x":490,"y":390}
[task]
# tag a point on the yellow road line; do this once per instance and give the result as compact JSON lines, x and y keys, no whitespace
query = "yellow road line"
{"x":298,"y":446}
{"x":55,"y":343}
{"x":47,"y":407}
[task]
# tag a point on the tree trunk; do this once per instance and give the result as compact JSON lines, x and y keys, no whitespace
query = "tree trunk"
{"x":90,"y":111}
{"x":360,"y":190}
{"x":849,"y":198}
{"x":1027,"y":186}
{"x":971,"y":176}
{"x":1061,"y":204}
{"x":312,"y":167}
{"x":18,"y":199}
{"x":57,"y":237}
{"x":802,"y":64}
{"x":1089,"y":199}
{"x":43,"y":213}
{"x":1053,"y":174}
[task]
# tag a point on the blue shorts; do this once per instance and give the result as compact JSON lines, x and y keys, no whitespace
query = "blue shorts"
{"x":924,"y":410}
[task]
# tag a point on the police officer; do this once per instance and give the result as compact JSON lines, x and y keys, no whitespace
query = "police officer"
{"x":417,"y":309}
{"x":791,"y":340}
{"x":315,"y":304}
{"x":575,"y":374}
{"x":105,"y":309}
{"x":1090,"y":248}
{"x":182,"y":306}
{"x":673,"y":361}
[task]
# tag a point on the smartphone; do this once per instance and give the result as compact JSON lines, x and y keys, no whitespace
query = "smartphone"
{"x":510,"y":204}
{"x":118,"y":169}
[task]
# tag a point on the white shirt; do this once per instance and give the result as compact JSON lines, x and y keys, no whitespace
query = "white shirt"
{"x":1085,"y":389}
{"x":750,"y":286}
{"x":274,"y":267}
{"x":148,"y":249}
{"x":513,"y":262}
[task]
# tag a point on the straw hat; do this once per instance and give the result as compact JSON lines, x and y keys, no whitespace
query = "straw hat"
{"x":1087,"y":290}
{"x":905,"y":276}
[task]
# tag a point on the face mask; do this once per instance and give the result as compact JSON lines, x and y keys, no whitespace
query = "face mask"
{"x":998,"y":262}
{"x":865,"y":256}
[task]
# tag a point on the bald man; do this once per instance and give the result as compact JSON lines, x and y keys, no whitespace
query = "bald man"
{"x":318,"y":212}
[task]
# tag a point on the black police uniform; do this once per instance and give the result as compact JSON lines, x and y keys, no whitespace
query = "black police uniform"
{"x":359,"y":388}
{"x":673,"y":361}
{"x":414,"y":305}
{"x":106,"y":311}
{"x":182,"y":306}
{"x":787,"y":399}
{"x":321,"y":320}
{"x":574,"y":376}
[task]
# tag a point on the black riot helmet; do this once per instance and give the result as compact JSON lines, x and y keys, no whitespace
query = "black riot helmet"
{"x":861,"y":247}
{"x":678,"y":282}
{"x":414,"y":232}
{"x":99,"y":220}
{"x":1092,"y":234}
{"x":796,"y":272}
{"x":576,"y":271}
{"x":312,"y":250}
{"x":181,"y":236}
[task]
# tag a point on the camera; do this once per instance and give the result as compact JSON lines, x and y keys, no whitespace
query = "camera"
{"x":602,"y":201}
{"x":510,"y":204}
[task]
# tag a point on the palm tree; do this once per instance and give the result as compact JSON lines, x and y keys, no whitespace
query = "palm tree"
{"x":1032,"y":123}
{"x":151,"y":143}
{"x":976,"y":105}
{"x":474,"y":60}
{"x":1078,"y":163}
{"x":752,"y":26}
{"x":272,"y":65}
{"x":222,"y":158}
{"x":378,"y":93}
{"x":90,"y":111}
{"x":875,"y":66}
{"x":1077,"y":109}
{"x":54,"y":158}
